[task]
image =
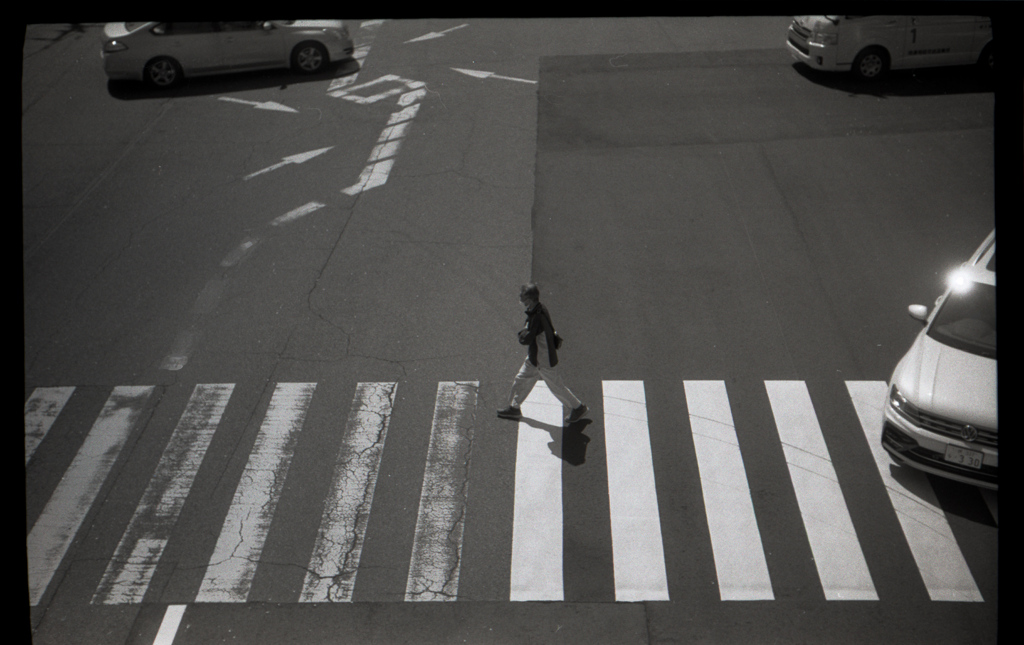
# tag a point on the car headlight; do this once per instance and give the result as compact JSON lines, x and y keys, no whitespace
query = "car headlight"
{"x":112,"y":46}
{"x":819,"y":38}
{"x":900,"y":404}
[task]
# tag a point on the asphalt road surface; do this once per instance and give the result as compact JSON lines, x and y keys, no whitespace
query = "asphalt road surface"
{"x":269,"y":318}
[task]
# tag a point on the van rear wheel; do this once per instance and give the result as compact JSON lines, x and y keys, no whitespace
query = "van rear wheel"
{"x":870,"y":64}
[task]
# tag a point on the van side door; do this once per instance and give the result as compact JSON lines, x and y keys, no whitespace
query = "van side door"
{"x":940,"y":40}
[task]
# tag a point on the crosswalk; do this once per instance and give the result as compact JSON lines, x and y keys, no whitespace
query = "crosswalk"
{"x":536,"y":560}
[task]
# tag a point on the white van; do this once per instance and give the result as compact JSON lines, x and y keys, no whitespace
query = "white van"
{"x":869,"y":46}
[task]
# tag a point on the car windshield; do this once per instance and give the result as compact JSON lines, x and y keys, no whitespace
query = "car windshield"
{"x":967,"y":320}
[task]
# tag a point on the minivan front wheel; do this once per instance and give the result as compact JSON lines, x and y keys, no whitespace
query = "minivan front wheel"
{"x":309,"y":57}
{"x":162,"y":72}
{"x":870,"y":64}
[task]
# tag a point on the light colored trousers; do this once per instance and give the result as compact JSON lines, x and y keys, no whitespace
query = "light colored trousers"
{"x":528,"y":375}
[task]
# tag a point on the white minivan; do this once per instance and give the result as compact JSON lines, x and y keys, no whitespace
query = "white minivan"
{"x":941,"y":412}
{"x":869,"y":46}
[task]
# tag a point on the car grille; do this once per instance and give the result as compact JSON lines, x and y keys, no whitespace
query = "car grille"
{"x":800,"y":46}
{"x":950,"y":428}
{"x":899,"y":443}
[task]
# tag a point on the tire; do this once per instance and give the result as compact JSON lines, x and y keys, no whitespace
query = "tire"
{"x":162,"y":72}
{"x":871,"y":64}
{"x":309,"y":57}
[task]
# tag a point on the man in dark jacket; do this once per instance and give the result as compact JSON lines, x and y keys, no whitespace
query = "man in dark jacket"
{"x":541,"y":359}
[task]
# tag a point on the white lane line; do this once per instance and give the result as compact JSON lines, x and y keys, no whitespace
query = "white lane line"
{"x":59,"y":522}
{"x":331,"y":575}
{"x":437,"y":542}
{"x":638,"y":555}
{"x":169,"y":625}
{"x":372,"y":176}
{"x":233,"y":562}
{"x":943,"y":569}
{"x":842,"y":569}
{"x":295,"y":214}
{"x":735,"y":539}
{"x":41,"y":410}
{"x":130,"y":571}
{"x":537,"y":516}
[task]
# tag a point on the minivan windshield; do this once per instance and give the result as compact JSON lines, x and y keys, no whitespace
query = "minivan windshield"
{"x":967,"y":320}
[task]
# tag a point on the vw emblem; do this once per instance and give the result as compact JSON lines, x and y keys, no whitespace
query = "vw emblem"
{"x":969,"y":432}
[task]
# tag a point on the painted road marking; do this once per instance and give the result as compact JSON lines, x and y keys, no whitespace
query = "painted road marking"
{"x":437,"y":542}
{"x":537,"y":515}
{"x":130,"y":571}
{"x":169,"y":625}
{"x":295,"y":214}
{"x":260,"y":105}
{"x":735,"y":539}
{"x":59,"y":522}
{"x":638,"y":555}
{"x":301,"y":157}
{"x":382,"y":157}
{"x":435,"y":34}
{"x":482,"y":74}
{"x":41,"y":410}
{"x":331,"y":575}
{"x":943,"y":569}
{"x":842,"y":568}
{"x":232,"y":566}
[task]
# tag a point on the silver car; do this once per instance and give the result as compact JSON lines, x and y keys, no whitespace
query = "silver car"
{"x":163,"y":53}
{"x":942,"y":414}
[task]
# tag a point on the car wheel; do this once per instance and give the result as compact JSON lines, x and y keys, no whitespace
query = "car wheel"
{"x":162,"y":72}
{"x":871,"y":64}
{"x":309,"y":57}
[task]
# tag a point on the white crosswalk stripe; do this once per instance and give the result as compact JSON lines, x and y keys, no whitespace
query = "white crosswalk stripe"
{"x":53,"y":532}
{"x":735,"y":538}
{"x":233,"y":563}
{"x":637,"y":553}
{"x":130,"y":571}
{"x":943,"y":569}
{"x":841,"y":566}
{"x":332,"y":570}
{"x":537,"y":519}
{"x":41,"y":411}
{"x":437,"y":543}
{"x":536,"y":558}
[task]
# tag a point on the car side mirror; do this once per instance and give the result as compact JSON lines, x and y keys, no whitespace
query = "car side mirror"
{"x":918,"y":312}
{"x":267,"y":25}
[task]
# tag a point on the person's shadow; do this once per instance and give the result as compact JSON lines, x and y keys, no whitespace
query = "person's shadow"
{"x":567,"y":443}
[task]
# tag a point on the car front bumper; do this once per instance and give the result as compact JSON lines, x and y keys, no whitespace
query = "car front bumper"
{"x":908,"y":444}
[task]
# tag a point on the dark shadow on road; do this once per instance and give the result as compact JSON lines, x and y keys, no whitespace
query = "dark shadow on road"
{"x":965,"y":79}
{"x":229,"y":83}
{"x":567,"y":443}
{"x":955,"y":498}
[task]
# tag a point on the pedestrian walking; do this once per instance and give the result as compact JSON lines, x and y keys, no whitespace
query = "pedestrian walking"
{"x":541,"y":359}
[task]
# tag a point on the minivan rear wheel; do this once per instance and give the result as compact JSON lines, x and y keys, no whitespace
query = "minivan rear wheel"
{"x":870,"y":64}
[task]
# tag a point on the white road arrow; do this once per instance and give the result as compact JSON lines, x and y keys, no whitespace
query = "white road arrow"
{"x":481,"y":74}
{"x":435,"y":34}
{"x":299,"y":158}
{"x":265,"y":105}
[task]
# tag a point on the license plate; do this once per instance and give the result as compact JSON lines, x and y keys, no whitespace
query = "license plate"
{"x":964,"y":457}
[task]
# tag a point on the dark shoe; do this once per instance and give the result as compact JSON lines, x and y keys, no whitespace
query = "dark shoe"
{"x":510,"y":413}
{"x":578,"y":413}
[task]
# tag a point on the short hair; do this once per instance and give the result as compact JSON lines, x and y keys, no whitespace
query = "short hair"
{"x":530,"y":290}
